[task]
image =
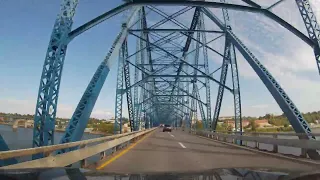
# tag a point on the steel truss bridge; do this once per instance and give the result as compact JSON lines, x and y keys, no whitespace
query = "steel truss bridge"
{"x":166,"y":77}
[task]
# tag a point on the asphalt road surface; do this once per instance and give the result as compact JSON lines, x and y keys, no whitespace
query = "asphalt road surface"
{"x":178,"y":151}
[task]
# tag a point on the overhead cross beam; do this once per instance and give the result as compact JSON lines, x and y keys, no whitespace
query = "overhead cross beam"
{"x":177,"y":58}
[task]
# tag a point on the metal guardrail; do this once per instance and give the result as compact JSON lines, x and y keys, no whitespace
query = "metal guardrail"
{"x":268,"y":133}
{"x":65,"y":159}
{"x":256,"y":138}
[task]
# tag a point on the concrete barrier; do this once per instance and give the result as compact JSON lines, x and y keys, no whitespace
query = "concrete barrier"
{"x":304,"y":144}
{"x":71,"y":157}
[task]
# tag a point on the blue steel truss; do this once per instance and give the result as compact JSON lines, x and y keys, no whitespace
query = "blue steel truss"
{"x":80,"y":117}
{"x":139,"y":55}
{"x":126,"y":71}
{"x":46,"y":108}
{"x":223,"y":76}
{"x":170,"y":67}
{"x":206,"y":67}
{"x":313,"y":28}
{"x":294,"y":116}
{"x":119,"y":95}
{"x":229,"y":58}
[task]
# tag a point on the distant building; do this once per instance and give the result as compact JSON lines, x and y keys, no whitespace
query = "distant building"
{"x":1,"y":118}
{"x":29,"y":123}
{"x":258,"y":122}
{"x":262,"y":122}
{"x":225,"y":118}
{"x":111,"y":120}
{"x":245,"y":123}
{"x":88,"y":130}
{"x":231,"y":123}
{"x":126,"y":128}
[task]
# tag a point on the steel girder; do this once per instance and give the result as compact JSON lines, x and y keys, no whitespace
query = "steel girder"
{"x":312,"y":26}
{"x":119,"y":96}
{"x":149,"y":87}
{"x":202,"y":113}
{"x":223,"y":77}
{"x":194,"y":109}
{"x":177,"y":58}
{"x":62,"y":34}
{"x":229,"y":58}
{"x":80,"y":117}
{"x":236,"y":89}
{"x":175,"y":30}
{"x":185,"y":49}
{"x":254,"y":9}
{"x":136,"y":75}
{"x":294,"y":116}
{"x":46,"y":107}
{"x":206,"y":67}
{"x":126,"y":71}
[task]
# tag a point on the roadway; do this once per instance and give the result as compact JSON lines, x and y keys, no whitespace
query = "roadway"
{"x":179,"y":151}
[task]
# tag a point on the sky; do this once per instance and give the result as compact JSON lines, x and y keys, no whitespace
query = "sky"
{"x":25,"y":28}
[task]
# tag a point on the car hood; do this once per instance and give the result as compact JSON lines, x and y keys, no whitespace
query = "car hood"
{"x":218,"y":174}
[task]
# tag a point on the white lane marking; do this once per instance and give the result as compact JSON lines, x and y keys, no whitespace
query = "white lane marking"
{"x":182,"y":145}
{"x":170,"y":134}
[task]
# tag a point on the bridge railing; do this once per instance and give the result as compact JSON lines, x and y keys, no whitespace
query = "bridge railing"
{"x":87,"y":148}
{"x":287,"y":142}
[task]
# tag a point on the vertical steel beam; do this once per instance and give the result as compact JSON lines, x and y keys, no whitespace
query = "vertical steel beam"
{"x":206,"y":67}
{"x":236,"y":89}
{"x":126,"y":71}
{"x":46,"y":108}
{"x":195,"y":108}
{"x":119,"y":95}
{"x":223,"y":77}
{"x":150,"y":68}
{"x":312,"y":26}
{"x":202,"y":113}
{"x":136,"y":75}
{"x":235,"y":77}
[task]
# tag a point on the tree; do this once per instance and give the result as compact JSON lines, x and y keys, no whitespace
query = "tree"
{"x":224,"y":126}
{"x":106,"y":128}
{"x":268,"y":116}
{"x":199,"y":125}
{"x":253,"y":125}
{"x":125,"y":120}
{"x":218,"y":127}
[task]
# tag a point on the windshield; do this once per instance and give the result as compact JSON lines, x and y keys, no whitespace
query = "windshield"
{"x":166,"y":125}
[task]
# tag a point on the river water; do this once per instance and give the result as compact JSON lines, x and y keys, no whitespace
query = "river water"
{"x":22,"y":139}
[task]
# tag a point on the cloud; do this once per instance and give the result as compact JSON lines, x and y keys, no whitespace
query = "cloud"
{"x":287,"y":57}
{"x":101,"y":114}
